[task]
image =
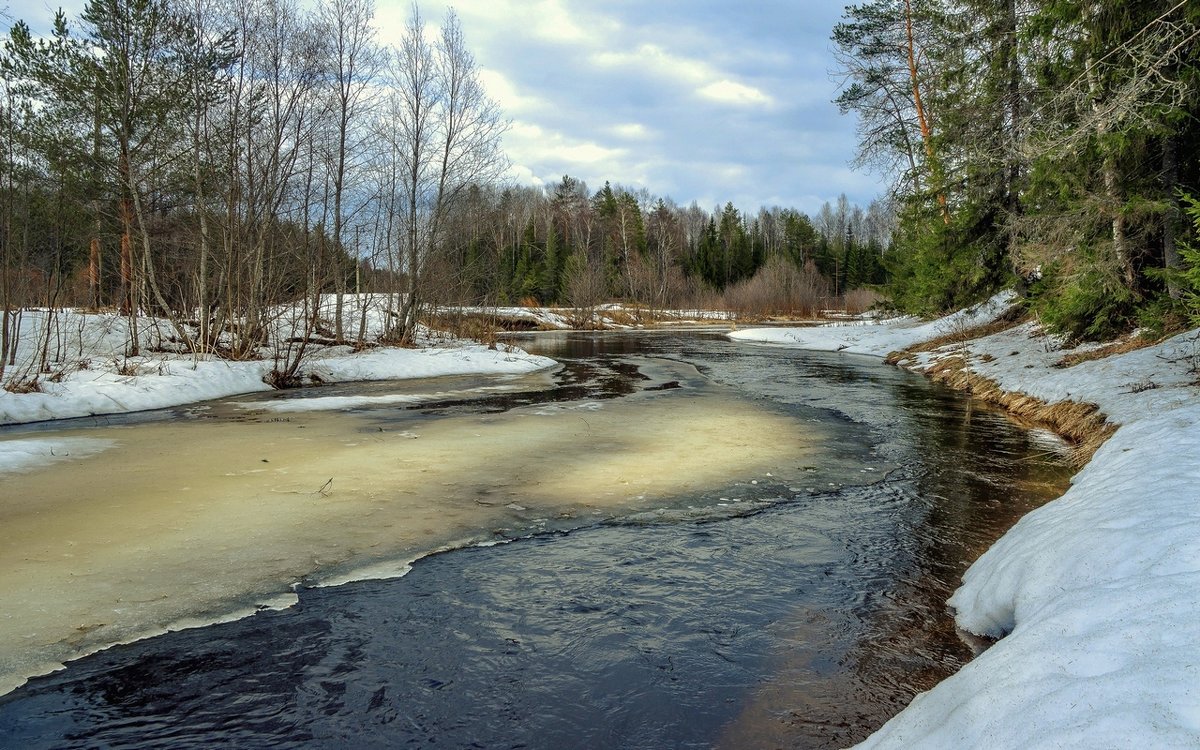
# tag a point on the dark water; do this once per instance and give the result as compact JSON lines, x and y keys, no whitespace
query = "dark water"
{"x":805,"y":624}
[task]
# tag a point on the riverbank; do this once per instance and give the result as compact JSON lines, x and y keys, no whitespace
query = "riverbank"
{"x":88,"y":373}
{"x":1093,"y":597}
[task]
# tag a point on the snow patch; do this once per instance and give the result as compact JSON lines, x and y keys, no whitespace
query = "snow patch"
{"x":27,"y":453}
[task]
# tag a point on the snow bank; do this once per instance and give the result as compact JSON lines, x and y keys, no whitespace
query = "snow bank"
{"x":94,"y":377}
{"x":609,"y":315}
{"x":873,"y":336}
{"x":1096,"y":595}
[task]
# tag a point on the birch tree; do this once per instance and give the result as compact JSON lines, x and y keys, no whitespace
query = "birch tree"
{"x":445,"y":132}
{"x":352,"y":61}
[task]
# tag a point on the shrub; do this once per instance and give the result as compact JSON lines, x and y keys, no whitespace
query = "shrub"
{"x":779,"y":288}
{"x":858,"y":301}
{"x":1091,"y":303}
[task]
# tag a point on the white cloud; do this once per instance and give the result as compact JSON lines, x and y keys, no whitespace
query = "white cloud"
{"x":633,"y":131}
{"x":554,"y":23}
{"x":710,"y":82}
{"x":523,"y":175}
{"x":651,"y":58}
{"x":732,"y":92}
{"x":531,"y":143}
{"x":548,"y":20}
{"x":506,"y":94}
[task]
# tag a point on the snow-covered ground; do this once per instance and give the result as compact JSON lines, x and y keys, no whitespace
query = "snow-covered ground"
{"x":91,"y":375}
{"x":1095,"y":596}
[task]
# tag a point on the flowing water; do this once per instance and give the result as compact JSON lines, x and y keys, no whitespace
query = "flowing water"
{"x":712,"y":545}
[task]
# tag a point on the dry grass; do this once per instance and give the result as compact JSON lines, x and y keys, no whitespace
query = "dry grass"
{"x":1123,"y":346}
{"x":624,"y":317}
{"x":23,"y":385}
{"x":481,"y":328}
{"x":1011,"y":318}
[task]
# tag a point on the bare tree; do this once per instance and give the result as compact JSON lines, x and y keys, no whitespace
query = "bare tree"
{"x":268,"y":125}
{"x":665,"y":242}
{"x":446,"y":133}
{"x":352,"y":61}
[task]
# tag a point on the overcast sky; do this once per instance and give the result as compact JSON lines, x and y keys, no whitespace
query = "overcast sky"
{"x":699,"y":100}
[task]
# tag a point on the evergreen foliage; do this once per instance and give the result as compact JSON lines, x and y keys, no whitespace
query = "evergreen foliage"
{"x":1033,"y":144}
{"x":1189,"y":274}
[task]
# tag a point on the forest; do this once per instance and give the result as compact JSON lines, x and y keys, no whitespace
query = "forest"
{"x":212,"y":163}
{"x":1050,"y":146}
{"x":207,"y":162}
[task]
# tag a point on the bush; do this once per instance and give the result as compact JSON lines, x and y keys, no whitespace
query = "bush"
{"x":779,"y":288}
{"x":1090,"y":304}
{"x":1189,"y":277}
{"x":858,"y":301}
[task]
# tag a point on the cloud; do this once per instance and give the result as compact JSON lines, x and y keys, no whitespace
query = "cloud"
{"x":506,"y":94}
{"x":711,"y":83}
{"x":651,"y":58}
{"x":731,"y":92}
{"x":556,"y":21}
{"x":633,"y":131}
{"x":530,"y":144}
{"x":553,"y":22}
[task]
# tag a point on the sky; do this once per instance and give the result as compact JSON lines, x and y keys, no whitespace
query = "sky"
{"x":696,"y":100}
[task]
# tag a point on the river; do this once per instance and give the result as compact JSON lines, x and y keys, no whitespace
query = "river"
{"x":671,"y":541}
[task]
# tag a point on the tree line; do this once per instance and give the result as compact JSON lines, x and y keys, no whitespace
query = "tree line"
{"x":213,"y":162}
{"x":563,"y":244}
{"x":1052,"y":145}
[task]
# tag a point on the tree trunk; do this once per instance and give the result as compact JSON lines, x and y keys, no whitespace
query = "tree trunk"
{"x":1109,"y":173}
{"x":128,"y":296}
{"x":922,"y":115}
{"x":1012,"y":62}
{"x":1120,"y":237}
{"x":1171,"y":261}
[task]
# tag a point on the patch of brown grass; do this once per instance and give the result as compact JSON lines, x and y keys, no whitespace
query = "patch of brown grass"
{"x":478,"y":327}
{"x":23,"y":385}
{"x":622,"y":317}
{"x":1121,"y":346}
{"x":1010,"y":318}
{"x":1081,"y":424}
